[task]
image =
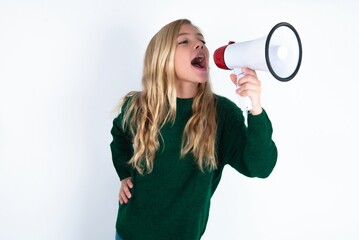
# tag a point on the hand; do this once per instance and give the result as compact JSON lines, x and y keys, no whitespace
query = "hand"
{"x":125,"y":193}
{"x":249,"y":85}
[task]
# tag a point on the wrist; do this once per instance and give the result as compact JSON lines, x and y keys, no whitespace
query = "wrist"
{"x":256,"y":110}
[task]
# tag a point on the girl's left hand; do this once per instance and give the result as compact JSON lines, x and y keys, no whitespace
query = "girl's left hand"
{"x":125,"y":190}
{"x":249,"y":85}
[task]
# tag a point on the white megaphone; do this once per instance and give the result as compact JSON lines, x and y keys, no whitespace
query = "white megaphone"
{"x":280,"y":53}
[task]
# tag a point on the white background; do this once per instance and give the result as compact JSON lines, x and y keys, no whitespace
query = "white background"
{"x":64,"y":65}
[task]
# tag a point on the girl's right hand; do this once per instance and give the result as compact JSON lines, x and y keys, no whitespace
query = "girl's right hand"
{"x":125,"y":193}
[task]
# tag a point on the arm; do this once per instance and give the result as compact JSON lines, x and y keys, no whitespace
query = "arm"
{"x":251,"y":150}
{"x":260,"y":154}
{"x":121,"y":149}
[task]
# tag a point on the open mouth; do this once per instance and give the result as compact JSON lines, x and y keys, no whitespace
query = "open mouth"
{"x":199,"y":62}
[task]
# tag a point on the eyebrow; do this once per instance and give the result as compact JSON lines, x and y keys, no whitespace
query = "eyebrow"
{"x":198,"y":34}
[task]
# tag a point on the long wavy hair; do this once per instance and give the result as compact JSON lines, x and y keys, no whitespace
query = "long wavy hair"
{"x":147,"y":111}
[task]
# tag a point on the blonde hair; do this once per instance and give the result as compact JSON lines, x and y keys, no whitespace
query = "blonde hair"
{"x":147,"y":111}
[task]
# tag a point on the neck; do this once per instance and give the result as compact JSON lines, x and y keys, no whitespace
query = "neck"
{"x":186,"y":90}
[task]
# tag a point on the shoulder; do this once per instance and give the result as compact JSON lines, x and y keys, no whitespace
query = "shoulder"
{"x":129,"y":99}
{"x":126,"y":104}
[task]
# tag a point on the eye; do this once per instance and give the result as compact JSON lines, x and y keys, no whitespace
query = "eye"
{"x":183,"y":42}
{"x":203,"y":41}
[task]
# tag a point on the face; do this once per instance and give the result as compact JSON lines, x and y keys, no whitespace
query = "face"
{"x":191,"y":57}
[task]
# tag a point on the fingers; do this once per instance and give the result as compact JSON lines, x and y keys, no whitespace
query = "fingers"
{"x":248,"y":84}
{"x":125,"y":192}
{"x":129,"y":182}
{"x":249,"y":71}
{"x":248,"y":75}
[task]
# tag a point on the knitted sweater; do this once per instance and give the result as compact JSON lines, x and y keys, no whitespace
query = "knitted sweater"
{"x":173,"y":201}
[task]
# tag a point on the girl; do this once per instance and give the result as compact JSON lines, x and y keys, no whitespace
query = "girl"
{"x":172,"y":140}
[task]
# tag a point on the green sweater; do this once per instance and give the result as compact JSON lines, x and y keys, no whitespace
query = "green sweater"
{"x":173,"y":201}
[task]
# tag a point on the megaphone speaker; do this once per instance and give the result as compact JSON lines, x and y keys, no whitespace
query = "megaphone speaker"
{"x":280,"y":53}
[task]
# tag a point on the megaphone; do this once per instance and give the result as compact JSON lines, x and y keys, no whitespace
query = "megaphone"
{"x":280,"y":53}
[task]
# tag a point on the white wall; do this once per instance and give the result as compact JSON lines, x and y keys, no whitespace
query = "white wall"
{"x":65,"y":64}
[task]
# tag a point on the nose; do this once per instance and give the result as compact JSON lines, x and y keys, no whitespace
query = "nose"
{"x":199,"y":44}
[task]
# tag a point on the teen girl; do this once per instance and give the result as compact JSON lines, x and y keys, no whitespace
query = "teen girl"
{"x":172,"y":140}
